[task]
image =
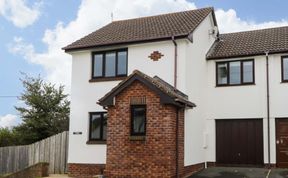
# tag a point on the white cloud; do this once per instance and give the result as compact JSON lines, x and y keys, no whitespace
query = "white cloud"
{"x":228,"y":21}
{"x":19,"y":13}
{"x":91,"y":15}
{"x":9,"y":121}
{"x":20,"y":47}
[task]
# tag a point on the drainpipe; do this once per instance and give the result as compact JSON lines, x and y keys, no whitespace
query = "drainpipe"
{"x":175,"y":61}
{"x":268,"y":106}
{"x":177,"y":116}
{"x":177,"y":123}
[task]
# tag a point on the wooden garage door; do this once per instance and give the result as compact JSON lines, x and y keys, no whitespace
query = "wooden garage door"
{"x":239,"y":142}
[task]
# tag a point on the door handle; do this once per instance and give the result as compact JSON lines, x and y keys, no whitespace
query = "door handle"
{"x":281,"y":141}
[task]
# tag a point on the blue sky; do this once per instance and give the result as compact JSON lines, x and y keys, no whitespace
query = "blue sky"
{"x":259,"y":11}
{"x":11,"y":65}
{"x":32,"y":33}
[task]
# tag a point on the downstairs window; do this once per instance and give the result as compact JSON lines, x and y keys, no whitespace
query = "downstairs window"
{"x":98,"y":126}
{"x":138,"y":120}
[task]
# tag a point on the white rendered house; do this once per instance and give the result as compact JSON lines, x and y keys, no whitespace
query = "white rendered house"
{"x":238,"y":82}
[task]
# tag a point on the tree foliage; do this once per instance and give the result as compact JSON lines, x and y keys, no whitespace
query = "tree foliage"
{"x":7,"y":137}
{"x":46,"y":110}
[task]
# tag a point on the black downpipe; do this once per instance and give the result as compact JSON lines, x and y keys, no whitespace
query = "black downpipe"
{"x":175,"y":61}
{"x":268,"y":107}
{"x":177,"y":117}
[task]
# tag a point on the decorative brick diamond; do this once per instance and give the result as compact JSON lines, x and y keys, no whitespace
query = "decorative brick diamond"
{"x":156,"y":55}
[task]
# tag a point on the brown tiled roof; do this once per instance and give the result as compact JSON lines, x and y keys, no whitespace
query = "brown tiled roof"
{"x":176,"y":95}
{"x":250,"y":43}
{"x":159,"y":27}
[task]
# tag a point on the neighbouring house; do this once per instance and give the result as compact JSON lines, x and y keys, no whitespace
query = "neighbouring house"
{"x":167,"y":95}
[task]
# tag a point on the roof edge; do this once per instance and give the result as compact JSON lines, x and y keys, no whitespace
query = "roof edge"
{"x":245,"y":55}
{"x":256,"y":30}
{"x":213,"y":16}
{"x":165,"y":98}
{"x":169,"y":13}
{"x":67,"y":49}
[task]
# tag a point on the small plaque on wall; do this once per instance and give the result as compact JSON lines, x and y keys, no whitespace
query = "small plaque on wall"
{"x":77,"y":133}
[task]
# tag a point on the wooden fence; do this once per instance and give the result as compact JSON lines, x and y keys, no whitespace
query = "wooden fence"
{"x":53,"y":150}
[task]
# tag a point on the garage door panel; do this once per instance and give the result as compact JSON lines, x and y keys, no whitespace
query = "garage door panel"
{"x":239,"y":142}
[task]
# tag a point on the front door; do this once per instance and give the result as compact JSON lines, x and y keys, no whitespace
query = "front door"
{"x":282,"y":142}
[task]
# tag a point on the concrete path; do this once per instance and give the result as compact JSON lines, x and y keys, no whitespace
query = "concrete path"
{"x":279,"y":173}
{"x":225,"y":172}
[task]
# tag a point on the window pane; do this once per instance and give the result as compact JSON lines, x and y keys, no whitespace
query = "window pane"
{"x":110,"y":64}
{"x":104,"y":126}
{"x":98,"y":65}
{"x":285,"y":68}
{"x":247,"y":72}
{"x":122,"y":63}
{"x":95,"y":126}
{"x":235,"y":72}
{"x":222,"y":73}
{"x":139,"y":116}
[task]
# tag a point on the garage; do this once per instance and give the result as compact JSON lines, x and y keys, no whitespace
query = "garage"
{"x":239,"y":142}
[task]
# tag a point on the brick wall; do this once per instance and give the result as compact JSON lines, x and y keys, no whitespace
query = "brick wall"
{"x":85,"y":170}
{"x":37,"y":170}
{"x":181,"y":142}
{"x":211,"y":164}
{"x":156,"y":155}
{"x":128,"y":157}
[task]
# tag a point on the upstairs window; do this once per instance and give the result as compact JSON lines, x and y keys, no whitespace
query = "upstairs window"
{"x":138,"y":120}
{"x":235,"y":73}
{"x":98,"y":126}
{"x":109,"y":64}
{"x":285,"y":69}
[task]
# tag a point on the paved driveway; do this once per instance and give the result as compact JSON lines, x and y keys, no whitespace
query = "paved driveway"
{"x":224,"y":172}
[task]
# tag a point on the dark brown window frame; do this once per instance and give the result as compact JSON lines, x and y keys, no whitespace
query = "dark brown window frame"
{"x":103,"y":78}
{"x":241,"y":71}
{"x":282,"y":69}
{"x":101,"y":128}
{"x":132,"y":133}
